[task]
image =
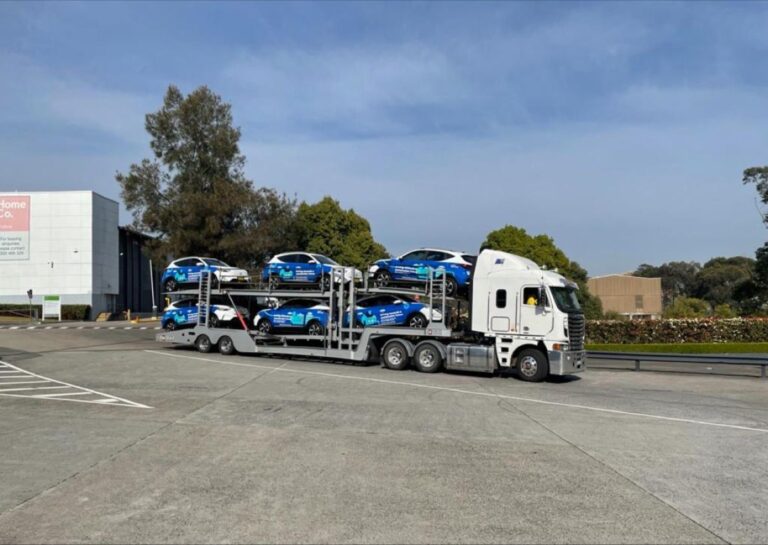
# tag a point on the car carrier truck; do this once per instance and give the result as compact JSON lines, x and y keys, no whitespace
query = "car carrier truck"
{"x":519,"y":316}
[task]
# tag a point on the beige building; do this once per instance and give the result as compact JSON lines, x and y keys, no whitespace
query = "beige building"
{"x":631,"y":296}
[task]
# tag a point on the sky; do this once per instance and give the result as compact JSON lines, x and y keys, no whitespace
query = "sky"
{"x":621,"y":130}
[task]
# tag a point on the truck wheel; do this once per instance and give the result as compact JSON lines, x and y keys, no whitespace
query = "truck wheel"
{"x":395,"y":355}
{"x":315,"y":328}
{"x":417,"y":321}
{"x":226,"y":346}
{"x":203,"y":344}
{"x":382,"y":279}
{"x":532,"y":365}
{"x":170,"y":285}
{"x":451,"y":286}
{"x":427,"y":358}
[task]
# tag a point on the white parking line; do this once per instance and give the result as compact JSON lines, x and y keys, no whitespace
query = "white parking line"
{"x":14,"y":327}
{"x":98,"y":398}
{"x":466,"y":392}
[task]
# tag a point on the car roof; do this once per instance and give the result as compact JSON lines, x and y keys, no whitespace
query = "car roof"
{"x":437,"y":250}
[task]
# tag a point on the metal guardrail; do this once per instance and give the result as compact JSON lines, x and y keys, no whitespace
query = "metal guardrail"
{"x":651,"y":357}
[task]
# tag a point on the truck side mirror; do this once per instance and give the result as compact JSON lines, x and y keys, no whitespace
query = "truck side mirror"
{"x":542,"y":297}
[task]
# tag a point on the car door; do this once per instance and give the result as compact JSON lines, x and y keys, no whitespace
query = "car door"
{"x":436,"y":261}
{"x":292,"y":314}
{"x":392,"y":311}
{"x":411,"y":266}
{"x":367,"y":313}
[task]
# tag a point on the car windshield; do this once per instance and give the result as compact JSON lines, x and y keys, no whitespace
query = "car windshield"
{"x":566,"y":300}
{"x":324,"y":260}
{"x":214,"y":262}
{"x":469,"y":258}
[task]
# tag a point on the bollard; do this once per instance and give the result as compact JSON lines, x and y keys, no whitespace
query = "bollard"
{"x":637,"y":365}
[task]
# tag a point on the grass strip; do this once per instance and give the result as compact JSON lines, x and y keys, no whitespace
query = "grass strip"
{"x":685,"y":348}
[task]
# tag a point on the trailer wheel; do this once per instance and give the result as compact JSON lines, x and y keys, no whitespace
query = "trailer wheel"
{"x":395,"y":355}
{"x":451,"y":286}
{"x":170,"y":285}
{"x":226,"y":346}
{"x":427,"y":357}
{"x":532,"y":365}
{"x":203,"y":344}
{"x":315,"y":328}
{"x":382,"y":279}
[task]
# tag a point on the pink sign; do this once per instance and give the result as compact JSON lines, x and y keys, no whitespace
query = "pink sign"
{"x":14,"y":213}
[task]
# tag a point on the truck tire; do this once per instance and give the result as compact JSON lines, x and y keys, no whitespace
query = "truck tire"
{"x":226,"y":346}
{"x":427,"y":358}
{"x":532,"y":365}
{"x":203,"y":344}
{"x":382,"y":279}
{"x":394,"y":355}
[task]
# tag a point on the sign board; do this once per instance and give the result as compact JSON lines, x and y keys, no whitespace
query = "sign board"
{"x":14,"y":227}
{"x":51,"y":307}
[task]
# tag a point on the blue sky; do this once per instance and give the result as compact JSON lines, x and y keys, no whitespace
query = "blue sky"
{"x":619,"y":129}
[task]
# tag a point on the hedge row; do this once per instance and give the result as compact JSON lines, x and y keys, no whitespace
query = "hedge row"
{"x":689,"y":330}
{"x":68,"y":312}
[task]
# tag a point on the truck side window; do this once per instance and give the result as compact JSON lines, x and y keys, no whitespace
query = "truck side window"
{"x":501,"y":298}
{"x":530,"y":296}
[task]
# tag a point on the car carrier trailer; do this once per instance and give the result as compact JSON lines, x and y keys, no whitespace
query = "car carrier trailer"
{"x":504,"y":331}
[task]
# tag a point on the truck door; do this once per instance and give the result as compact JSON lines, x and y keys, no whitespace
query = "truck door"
{"x":501,"y":310}
{"x":535,"y":319}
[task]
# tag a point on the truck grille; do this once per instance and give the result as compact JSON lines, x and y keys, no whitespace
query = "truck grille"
{"x":576,"y":331}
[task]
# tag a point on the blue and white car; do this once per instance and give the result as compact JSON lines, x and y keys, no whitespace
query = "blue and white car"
{"x":294,"y":315}
{"x":305,"y":268}
{"x":390,"y":310}
{"x":184,"y":313}
{"x":414,"y":268}
{"x":186,"y":271}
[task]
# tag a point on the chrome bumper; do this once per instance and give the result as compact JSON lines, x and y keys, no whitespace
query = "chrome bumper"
{"x":567,"y":363}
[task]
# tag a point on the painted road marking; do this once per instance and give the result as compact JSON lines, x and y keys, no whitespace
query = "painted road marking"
{"x":468,"y":392}
{"x":68,"y":391}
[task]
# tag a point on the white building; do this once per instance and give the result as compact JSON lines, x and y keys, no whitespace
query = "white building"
{"x":59,"y":243}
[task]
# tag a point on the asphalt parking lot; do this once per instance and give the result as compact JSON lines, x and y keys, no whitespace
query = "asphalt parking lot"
{"x":120,"y":439}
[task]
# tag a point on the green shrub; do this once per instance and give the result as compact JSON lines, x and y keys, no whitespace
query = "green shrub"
{"x":687,"y":307}
{"x":702,"y":330}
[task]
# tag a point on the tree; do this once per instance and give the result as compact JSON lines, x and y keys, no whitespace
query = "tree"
{"x":724,"y":311}
{"x":542,"y":250}
{"x":759,"y":177}
{"x":194,"y":197}
{"x":678,"y":278}
{"x":343,"y":235}
{"x":721,"y":280}
{"x":687,"y":307}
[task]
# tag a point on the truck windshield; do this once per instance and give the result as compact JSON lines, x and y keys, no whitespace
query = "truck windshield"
{"x":565,"y":299}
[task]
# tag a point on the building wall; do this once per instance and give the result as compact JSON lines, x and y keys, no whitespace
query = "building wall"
{"x":73,"y":251}
{"x":628,"y":294}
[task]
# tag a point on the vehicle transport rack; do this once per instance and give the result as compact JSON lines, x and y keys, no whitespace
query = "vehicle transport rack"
{"x":504,"y":329}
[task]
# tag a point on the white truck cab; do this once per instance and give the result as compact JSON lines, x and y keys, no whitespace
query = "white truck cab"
{"x":532,"y":315}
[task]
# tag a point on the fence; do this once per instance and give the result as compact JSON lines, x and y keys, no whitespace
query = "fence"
{"x":637,"y":358}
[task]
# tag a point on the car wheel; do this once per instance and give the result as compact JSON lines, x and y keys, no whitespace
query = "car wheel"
{"x":170,"y":285}
{"x":451,"y":286}
{"x":325,"y":282}
{"x":417,"y":321}
{"x":382,"y":279}
{"x":203,"y":344}
{"x":226,"y":346}
{"x":315,"y":328}
{"x":274,"y":282}
{"x":427,"y":358}
{"x":395,"y":355}
{"x":213,"y":320}
{"x":170,"y":326}
{"x":264,"y":326}
{"x":532,"y":365}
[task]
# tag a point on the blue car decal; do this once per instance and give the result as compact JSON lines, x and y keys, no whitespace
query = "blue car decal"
{"x":296,"y":272}
{"x":419,"y":270}
{"x":394,"y":314}
{"x":293,"y":317}
{"x":183,"y":316}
